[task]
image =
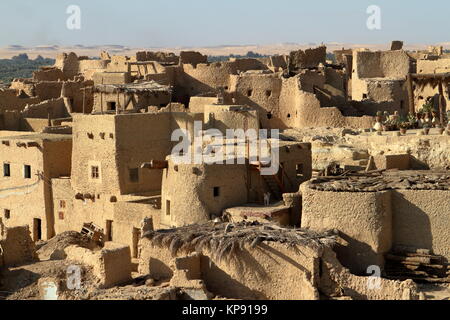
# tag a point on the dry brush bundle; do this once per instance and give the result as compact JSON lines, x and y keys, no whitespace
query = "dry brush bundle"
{"x":224,"y":240}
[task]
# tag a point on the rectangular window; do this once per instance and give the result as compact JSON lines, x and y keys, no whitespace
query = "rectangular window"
{"x":61,"y":215}
{"x":7,"y":214}
{"x":111,"y":106}
{"x":167,"y":207}
{"x":62,"y":204}
{"x":134,"y":175}
{"x":216,"y":192}
{"x":6,"y":170}
{"x":27,"y":171}
{"x":95,"y":172}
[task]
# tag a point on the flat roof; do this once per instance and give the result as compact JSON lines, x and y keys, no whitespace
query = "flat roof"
{"x":385,"y":180}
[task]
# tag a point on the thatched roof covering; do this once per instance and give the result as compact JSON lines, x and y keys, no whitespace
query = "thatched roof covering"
{"x":225,"y":239}
{"x":431,"y":79}
{"x":387,"y":180}
{"x":148,"y":86}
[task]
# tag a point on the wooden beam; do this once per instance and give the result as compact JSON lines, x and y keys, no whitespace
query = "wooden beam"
{"x":155,"y":165}
{"x":416,"y":76}
{"x":409,"y":83}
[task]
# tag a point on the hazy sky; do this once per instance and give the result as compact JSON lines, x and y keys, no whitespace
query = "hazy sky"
{"x":173,"y":23}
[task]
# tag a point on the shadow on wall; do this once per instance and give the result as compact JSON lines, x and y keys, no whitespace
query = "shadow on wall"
{"x":267,"y":118}
{"x":265,"y":249}
{"x":187,"y":87}
{"x":356,"y":251}
{"x":417,"y":164}
{"x":221,"y":283}
{"x":160,"y":268}
{"x":411,"y":225}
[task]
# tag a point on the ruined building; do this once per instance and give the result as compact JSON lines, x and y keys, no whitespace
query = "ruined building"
{"x":91,"y":173}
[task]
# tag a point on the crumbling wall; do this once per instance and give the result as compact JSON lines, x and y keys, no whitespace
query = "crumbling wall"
{"x":78,"y":96}
{"x":192,"y":57}
{"x":11,"y":100}
{"x":383,"y":67}
{"x":426,"y":152}
{"x":223,"y":117}
{"x":111,"y":78}
{"x":55,"y":108}
{"x":69,"y":64}
{"x":312,"y":115}
{"x":269,"y":271}
{"x":381,"y":64}
{"x":49,"y":74}
{"x":337,"y":281}
{"x":164,"y":57}
{"x":433,"y":66}
{"x":111,"y":265}
{"x":310,"y":58}
{"x":16,"y":246}
{"x":128,"y":218}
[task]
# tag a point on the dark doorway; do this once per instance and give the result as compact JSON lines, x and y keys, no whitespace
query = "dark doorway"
{"x":109,"y":230}
{"x":37,"y":229}
{"x":136,"y":238}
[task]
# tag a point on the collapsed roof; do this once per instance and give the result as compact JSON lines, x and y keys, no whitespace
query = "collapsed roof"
{"x":149,"y":86}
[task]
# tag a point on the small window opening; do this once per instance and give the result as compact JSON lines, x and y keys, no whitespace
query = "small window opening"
{"x":95,"y":172}
{"x":6,"y":170}
{"x":134,"y":175}
{"x":167,"y":207}
{"x":111,"y":106}
{"x":216,"y":192}
{"x":27,"y":171}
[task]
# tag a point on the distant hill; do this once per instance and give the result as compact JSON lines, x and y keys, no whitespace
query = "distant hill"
{"x":21,"y":66}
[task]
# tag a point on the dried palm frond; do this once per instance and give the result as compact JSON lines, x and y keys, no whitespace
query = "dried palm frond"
{"x":224,"y":240}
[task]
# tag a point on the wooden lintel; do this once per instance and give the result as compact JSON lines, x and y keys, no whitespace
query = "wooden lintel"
{"x":155,"y":165}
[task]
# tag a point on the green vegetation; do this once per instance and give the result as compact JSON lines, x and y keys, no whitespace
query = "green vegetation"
{"x":21,"y":67}
{"x":249,"y":54}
